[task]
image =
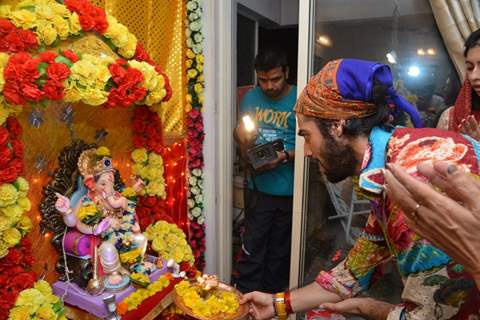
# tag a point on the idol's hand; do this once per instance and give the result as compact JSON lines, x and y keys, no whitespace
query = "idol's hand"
{"x":261,"y":305}
{"x":102,"y":226}
{"x":62,"y":204}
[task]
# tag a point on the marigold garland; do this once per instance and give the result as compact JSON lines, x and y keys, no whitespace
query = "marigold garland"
{"x":195,"y":133}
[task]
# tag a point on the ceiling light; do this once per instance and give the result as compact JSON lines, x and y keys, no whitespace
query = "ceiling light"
{"x":392,"y":57}
{"x":421,"y":52}
{"x":431,"y":52}
{"x":413,"y":71}
{"x":324,"y":41}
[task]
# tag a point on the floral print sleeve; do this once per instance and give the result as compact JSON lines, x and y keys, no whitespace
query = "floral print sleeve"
{"x":361,"y":267}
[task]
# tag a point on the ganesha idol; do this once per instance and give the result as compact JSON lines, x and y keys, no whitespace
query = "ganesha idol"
{"x":102,"y":215}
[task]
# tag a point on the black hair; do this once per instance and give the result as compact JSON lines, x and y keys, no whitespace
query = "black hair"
{"x":473,"y":41}
{"x":271,"y":58}
{"x":363,"y":126}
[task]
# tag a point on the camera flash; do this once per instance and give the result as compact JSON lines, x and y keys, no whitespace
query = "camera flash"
{"x":248,"y":123}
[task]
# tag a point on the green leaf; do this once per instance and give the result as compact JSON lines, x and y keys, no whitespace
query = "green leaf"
{"x":42,"y":67}
{"x":64,"y":60}
{"x":435,"y":280}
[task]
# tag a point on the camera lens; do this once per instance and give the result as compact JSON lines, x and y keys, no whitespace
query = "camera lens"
{"x":261,"y":154}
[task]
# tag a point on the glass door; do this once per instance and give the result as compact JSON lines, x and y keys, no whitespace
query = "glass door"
{"x":400,"y":33}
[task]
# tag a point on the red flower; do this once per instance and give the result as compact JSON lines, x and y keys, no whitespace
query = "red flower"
{"x":53,"y":90}
{"x":6,"y":27}
{"x":148,"y":201}
{"x":8,"y":175}
{"x":70,"y":55}
{"x":128,"y":81}
{"x":142,"y":55}
{"x":138,"y":125}
{"x":17,"y":147}
{"x":14,"y":127}
{"x":47,"y":56}
{"x":91,"y":18}
{"x":5,"y":156}
{"x":58,"y":71}
{"x":17,"y":164}
{"x":32,"y":92}
{"x":16,"y":40}
{"x":4,"y":135}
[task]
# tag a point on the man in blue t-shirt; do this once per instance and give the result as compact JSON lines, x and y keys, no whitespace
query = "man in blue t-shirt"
{"x":264,"y":261}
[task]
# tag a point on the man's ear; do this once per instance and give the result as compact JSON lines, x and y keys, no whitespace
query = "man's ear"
{"x":287,"y":72}
{"x":337,"y":128}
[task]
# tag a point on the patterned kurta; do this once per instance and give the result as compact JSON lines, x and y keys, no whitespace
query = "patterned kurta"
{"x":435,"y":287}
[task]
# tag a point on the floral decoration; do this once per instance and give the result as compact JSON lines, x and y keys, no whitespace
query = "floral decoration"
{"x":195,"y":133}
{"x":215,"y":303}
{"x":149,"y":167}
{"x":137,"y":297}
{"x":15,"y":275}
{"x":39,"y":303}
{"x":169,"y":241}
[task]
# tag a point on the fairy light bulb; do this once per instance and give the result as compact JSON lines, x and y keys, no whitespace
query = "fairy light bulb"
{"x":248,"y":123}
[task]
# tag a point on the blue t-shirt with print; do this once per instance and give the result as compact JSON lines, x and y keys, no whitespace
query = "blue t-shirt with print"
{"x":275,"y":120}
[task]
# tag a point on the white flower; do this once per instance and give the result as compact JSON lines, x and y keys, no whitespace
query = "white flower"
{"x":197,"y":48}
{"x":191,"y":5}
{"x":191,"y":203}
{"x":196,"y":212}
{"x":201,"y":220}
{"x":188,"y":32}
{"x":200,"y":184}
{"x":190,"y":43}
{"x":193,"y":16}
{"x":195,"y":25}
{"x":199,"y":198}
{"x":195,"y":190}
{"x":190,"y":217}
{"x":192,"y":181}
{"x":197,"y":172}
{"x":198,"y":37}
{"x":198,"y":11}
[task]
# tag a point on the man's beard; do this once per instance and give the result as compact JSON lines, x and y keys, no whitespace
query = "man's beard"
{"x":339,"y":161}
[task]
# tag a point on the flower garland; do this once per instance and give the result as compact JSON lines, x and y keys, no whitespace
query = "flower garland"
{"x":137,"y":297}
{"x":149,"y":167}
{"x":38,"y":302}
{"x":15,"y":275}
{"x":169,"y":241}
{"x":91,"y":80}
{"x":217,"y":302}
{"x":196,"y":135}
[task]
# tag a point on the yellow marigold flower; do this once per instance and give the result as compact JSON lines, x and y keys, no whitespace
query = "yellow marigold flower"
{"x":140,"y":155}
{"x":24,"y":203}
{"x":149,"y":74}
{"x":24,"y":225}
{"x":72,"y":94}
{"x":199,"y":58}
{"x":3,"y":62}
{"x":190,"y":54}
{"x":117,"y":32}
{"x":199,"y":68}
{"x":3,"y":249}
{"x":5,"y":11}
{"x":20,"y":313}
{"x":44,"y":12}
{"x":103,"y":152}
{"x":94,"y":97}
{"x":201,"y":78}
{"x":189,"y":63}
{"x":12,"y":237}
{"x":189,"y":98}
{"x":23,"y":18}
{"x":30,"y":297}
{"x":192,"y":73}
{"x":188,"y":107}
{"x":201,"y":98}
{"x":59,"y":9}
{"x":8,"y":195}
{"x":128,"y":51}
{"x":155,"y":97}
{"x":62,"y":27}
{"x":45,"y":312}
{"x":129,"y":192}
{"x":46,"y":32}
{"x":198,"y":88}
{"x":74,"y":22}
{"x":155,"y":159}
{"x":85,"y":212}
{"x":13,"y":212}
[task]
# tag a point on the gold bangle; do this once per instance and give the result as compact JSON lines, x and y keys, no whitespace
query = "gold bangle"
{"x":280,"y":307}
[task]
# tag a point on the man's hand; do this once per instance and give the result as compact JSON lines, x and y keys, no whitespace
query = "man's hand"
{"x":365,"y":307}
{"x":281,"y":157}
{"x":261,"y":305}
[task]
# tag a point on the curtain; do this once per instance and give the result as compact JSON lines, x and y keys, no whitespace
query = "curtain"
{"x":456,"y":19}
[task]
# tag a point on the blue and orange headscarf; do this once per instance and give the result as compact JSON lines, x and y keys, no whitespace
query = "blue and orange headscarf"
{"x":343,"y":90}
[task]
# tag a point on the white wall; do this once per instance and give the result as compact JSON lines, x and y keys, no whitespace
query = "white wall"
{"x":289,"y":12}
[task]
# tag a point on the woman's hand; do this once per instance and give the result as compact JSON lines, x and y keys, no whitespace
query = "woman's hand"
{"x":469,"y":126}
{"x":261,"y":305}
{"x":450,"y":221}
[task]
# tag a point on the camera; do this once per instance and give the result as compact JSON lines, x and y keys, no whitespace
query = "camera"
{"x":262,"y":154}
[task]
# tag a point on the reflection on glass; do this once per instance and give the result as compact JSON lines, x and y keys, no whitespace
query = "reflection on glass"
{"x":402,"y":34}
